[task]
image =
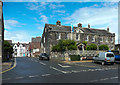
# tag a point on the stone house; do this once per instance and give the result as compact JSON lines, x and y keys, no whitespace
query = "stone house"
{"x":54,"y":32}
{"x":1,"y":29}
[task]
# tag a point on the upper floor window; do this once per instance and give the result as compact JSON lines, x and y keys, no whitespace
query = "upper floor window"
{"x":77,"y":36}
{"x":106,"y":39}
{"x":66,"y":36}
{"x":112,"y":39}
{"x":44,"y":39}
{"x":87,"y":38}
{"x":93,"y":39}
{"x":58,"y":36}
{"x":101,"y":39}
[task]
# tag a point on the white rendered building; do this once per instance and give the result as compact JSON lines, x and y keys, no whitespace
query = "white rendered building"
{"x":19,"y":50}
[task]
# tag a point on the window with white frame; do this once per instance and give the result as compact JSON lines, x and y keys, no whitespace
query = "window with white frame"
{"x":66,"y":36}
{"x":112,"y":39}
{"x":106,"y":39}
{"x":93,"y":39}
{"x":58,"y":36}
{"x":87,"y":38}
{"x":101,"y":39}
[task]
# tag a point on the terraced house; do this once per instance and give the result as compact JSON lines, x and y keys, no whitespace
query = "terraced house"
{"x":54,"y":32}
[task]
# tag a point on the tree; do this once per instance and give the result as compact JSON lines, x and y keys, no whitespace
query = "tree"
{"x":92,"y":47}
{"x":103,"y":47}
{"x":8,"y":50}
{"x":64,"y":45}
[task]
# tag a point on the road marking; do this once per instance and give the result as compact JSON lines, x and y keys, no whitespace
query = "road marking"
{"x":42,"y":63}
{"x":10,"y":68}
{"x":63,"y":66}
{"x":36,"y":61}
{"x":104,"y":79}
{"x":46,"y":74}
{"x":19,"y":77}
{"x":6,"y":79}
{"x":57,"y":69}
{"x":33,"y":76}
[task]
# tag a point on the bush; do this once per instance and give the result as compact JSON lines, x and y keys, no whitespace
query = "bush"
{"x":75,"y":57}
{"x":85,"y":43}
{"x":72,"y":47}
{"x":103,"y":47}
{"x":92,"y":47}
{"x":64,"y":45}
{"x":8,"y":50}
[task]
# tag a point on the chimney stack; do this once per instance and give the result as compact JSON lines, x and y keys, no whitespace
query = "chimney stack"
{"x":88,"y":25}
{"x":79,"y":25}
{"x":58,"y":23}
{"x":108,"y":29}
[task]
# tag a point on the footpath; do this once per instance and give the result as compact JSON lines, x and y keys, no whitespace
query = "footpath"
{"x":7,"y":65}
{"x":72,"y":62}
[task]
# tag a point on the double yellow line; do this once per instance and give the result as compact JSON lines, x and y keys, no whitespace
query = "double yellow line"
{"x":9,"y":68}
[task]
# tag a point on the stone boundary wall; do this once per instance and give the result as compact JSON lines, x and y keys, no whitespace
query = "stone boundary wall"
{"x":65,"y":56}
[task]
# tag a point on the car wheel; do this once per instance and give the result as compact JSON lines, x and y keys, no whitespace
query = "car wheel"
{"x":103,"y":63}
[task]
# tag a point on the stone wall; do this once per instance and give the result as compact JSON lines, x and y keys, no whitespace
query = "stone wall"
{"x":65,"y":56}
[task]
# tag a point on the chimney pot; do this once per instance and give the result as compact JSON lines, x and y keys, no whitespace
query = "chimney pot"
{"x":108,"y":29}
{"x":58,"y":23}
{"x":79,"y":25}
{"x":88,"y":25}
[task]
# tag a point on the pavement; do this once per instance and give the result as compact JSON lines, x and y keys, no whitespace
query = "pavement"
{"x":33,"y":70}
{"x":7,"y":65}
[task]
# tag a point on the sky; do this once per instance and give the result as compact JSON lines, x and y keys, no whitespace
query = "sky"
{"x":24,"y":20}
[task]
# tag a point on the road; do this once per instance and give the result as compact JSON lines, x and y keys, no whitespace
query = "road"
{"x":33,"y":70}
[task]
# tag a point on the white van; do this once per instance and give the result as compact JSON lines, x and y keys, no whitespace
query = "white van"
{"x":104,"y":57}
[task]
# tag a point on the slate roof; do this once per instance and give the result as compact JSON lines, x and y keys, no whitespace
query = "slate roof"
{"x":63,"y":28}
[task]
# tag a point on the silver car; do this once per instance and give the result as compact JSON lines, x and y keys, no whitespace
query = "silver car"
{"x":104,"y":57}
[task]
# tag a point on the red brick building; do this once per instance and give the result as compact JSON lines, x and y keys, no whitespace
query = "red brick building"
{"x":34,"y":47}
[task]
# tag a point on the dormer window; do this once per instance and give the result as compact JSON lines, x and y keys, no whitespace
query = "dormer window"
{"x":81,"y":31}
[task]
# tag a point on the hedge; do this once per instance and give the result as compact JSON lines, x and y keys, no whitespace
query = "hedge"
{"x":75,"y":57}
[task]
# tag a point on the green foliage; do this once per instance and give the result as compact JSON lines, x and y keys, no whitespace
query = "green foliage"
{"x":64,"y":45}
{"x":75,"y":57}
{"x":92,"y":47}
{"x":85,"y":43}
{"x":103,"y":47}
{"x":8,"y":50}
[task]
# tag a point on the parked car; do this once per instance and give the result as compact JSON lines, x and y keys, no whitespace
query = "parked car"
{"x":104,"y":57}
{"x":43,"y":56}
{"x":117,"y":55}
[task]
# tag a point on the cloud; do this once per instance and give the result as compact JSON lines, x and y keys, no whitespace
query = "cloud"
{"x":37,"y":6}
{"x":96,"y":17}
{"x":54,"y":6}
{"x":18,"y":36}
{"x":9,"y":24}
{"x":59,"y":11}
{"x":36,"y":19}
{"x":44,"y":19}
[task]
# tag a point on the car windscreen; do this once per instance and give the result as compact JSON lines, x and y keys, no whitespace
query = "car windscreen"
{"x":44,"y":54}
{"x":110,"y":55}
